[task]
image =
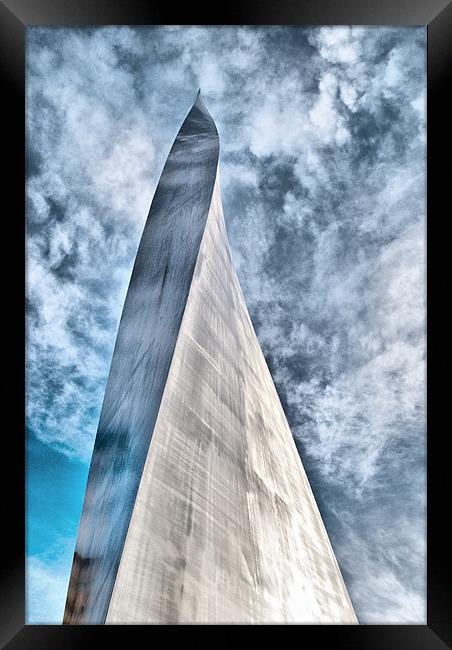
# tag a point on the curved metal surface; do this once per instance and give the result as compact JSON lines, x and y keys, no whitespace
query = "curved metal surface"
{"x":225,"y":528}
{"x":145,"y":343}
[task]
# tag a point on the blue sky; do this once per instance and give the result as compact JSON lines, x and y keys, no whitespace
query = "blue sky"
{"x":55,"y":486}
{"x":322,"y":167}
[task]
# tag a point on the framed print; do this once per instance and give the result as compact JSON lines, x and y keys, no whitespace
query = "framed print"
{"x":290,"y":159}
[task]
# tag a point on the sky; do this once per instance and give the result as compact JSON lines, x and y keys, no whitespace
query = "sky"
{"x":322,"y":169}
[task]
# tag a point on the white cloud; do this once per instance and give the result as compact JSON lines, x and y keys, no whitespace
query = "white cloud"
{"x":47,"y":579}
{"x":338,"y":45}
{"x":385,"y":568}
{"x":211,"y":78}
{"x":46,"y":593}
{"x":348,"y":94}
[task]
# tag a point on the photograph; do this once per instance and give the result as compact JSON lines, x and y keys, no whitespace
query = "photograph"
{"x":234,"y":431}
{"x":228,"y":231}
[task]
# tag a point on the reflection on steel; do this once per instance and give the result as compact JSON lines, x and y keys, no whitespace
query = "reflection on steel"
{"x":197,"y":506}
{"x":145,"y":343}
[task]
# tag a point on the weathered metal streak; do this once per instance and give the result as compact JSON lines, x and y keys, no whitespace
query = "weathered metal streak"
{"x":145,"y":343}
{"x":225,"y":528}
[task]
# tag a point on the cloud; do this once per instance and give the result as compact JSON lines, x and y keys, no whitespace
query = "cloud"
{"x":395,"y":590}
{"x":322,"y":135}
{"x":329,"y":125}
{"x":46,"y":593}
{"x":338,"y":45}
{"x":47,"y":578}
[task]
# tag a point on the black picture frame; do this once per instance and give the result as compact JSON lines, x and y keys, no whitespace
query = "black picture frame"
{"x":436,"y":16}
